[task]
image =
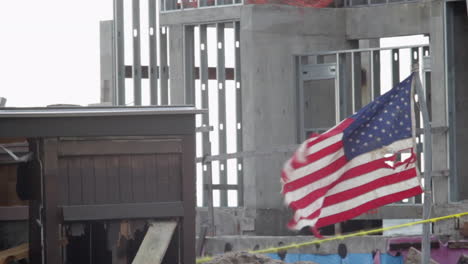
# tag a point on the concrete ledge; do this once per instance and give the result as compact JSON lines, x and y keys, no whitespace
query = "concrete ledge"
{"x":200,"y":15}
{"x":388,"y":20}
{"x":362,"y":244}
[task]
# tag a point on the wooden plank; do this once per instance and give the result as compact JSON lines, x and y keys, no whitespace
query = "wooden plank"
{"x":125,"y":179}
{"x":74,"y":178}
{"x":16,"y":253}
{"x":162,"y":169}
{"x":113,"y":179}
{"x":87,"y":177}
{"x":175,"y":176}
{"x":4,"y":170}
{"x":155,"y":244}
{"x":13,"y":213}
{"x":51,"y":198}
{"x":138,"y":179}
{"x":188,"y":191}
{"x":149,"y":168}
{"x":100,"y":179}
{"x":122,"y":211}
{"x":114,"y":147}
{"x":63,"y":181}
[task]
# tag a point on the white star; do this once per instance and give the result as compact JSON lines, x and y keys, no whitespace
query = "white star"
{"x":365,"y":144}
{"x":362,"y":133}
{"x":380,"y":119}
{"x":393,"y":114}
{"x":390,"y":134}
{"x":396,"y":95}
{"x":375,"y":127}
{"x":406,"y":103}
{"x":367,"y":125}
{"x":401,"y":123}
{"x":396,"y":131}
{"x":408,"y":128}
{"x":378,"y":139}
{"x":352,"y":150}
{"x":385,"y":111}
{"x":390,"y":103}
{"x":388,"y":122}
{"x":402,"y":99}
{"x":370,"y":135}
{"x":407,"y":92}
{"x":357,"y":141}
{"x":397,"y":107}
{"x":406,"y":116}
{"x":383,"y":130}
{"x":350,"y":140}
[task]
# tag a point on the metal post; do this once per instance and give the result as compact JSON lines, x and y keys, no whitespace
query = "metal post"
{"x":153,"y":69}
{"x":163,"y":69}
{"x":395,"y":67}
{"x":119,"y":48}
{"x":136,"y":52}
{"x":205,"y":116}
{"x":189,"y":64}
{"x":238,"y":85}
{"x":337,"y":90}
{"x":426,"y":250}
{"x":221,"y":76}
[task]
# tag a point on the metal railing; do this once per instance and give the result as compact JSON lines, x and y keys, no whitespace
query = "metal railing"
{"x":177,"y":5}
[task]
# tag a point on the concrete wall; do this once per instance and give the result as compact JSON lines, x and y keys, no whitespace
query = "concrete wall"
{"x":460,"y":62}
{"x":270,"y":36}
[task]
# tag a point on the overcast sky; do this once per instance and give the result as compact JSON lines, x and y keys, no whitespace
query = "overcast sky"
{"x":49,"y":51}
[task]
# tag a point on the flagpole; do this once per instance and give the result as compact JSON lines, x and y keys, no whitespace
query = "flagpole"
{"x":426,"y":245}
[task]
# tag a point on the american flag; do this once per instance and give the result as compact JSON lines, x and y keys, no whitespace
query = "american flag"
{"x":354,"y":167}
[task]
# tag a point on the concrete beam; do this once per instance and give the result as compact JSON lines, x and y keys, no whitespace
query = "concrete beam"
{"x":200,"y":16}
{"x":388,"y":20}
{"x":362,"y":244}
{"x":176,"y":68}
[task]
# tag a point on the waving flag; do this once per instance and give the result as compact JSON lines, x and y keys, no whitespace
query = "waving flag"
{"x":353,"y":167}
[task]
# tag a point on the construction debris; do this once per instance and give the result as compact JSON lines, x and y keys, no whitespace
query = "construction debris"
{"x":414,"y":257}
{"x":248,"y":258}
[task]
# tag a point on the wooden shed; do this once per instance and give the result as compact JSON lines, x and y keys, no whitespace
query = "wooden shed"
{"x":105,"y":172}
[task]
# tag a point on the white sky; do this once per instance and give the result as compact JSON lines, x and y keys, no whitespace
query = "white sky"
{"x":49,"y":51}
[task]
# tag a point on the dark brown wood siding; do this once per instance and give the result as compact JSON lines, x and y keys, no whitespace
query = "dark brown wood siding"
{"x":94,"y":176}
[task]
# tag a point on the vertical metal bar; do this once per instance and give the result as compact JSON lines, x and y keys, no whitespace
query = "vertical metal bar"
{"x":357,"y":82}
{"x":414,"y":53}
{"x":220,"y":74}
{"x":119,"y":48}
{"x":426,"y":247}
{"x":300,"y":99}
{"x":205,"y":117}
{"x":337,"y":89}
{"x":136,"y":52}
{"x":189,"y":64}
{"x":238,"y":87}
{"x":395,"y":67}
{"x":163,"y":69}
{"x":372,"y":90}
{"x":153,"y":70}
{"x":376,"y":73}
{"x":107,"y":63}
{"x":353,"y":85}
{"x":344,"y":88}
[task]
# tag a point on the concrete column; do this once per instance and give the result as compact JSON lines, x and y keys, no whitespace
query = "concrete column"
{"x":176,"y":64}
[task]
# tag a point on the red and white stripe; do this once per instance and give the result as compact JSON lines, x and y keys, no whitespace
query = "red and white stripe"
{"x":324,"y":188}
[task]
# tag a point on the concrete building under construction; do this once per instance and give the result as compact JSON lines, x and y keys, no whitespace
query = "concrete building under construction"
{"x":270,"y":73}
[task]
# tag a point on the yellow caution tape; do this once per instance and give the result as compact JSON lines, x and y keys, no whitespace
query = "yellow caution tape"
{"x":341,"y":237}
